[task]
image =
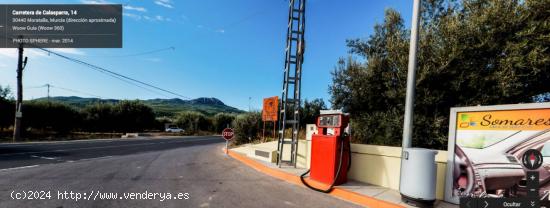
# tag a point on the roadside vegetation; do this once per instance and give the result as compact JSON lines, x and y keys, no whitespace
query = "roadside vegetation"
{"x":470,"y":52}
{"x":249,"y":126}
{"x":44,"y":120}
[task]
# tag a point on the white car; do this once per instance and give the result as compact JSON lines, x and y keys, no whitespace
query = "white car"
{"x":174,"y":129}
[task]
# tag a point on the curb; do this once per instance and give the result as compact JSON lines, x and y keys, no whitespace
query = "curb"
{"x":340,"y":193}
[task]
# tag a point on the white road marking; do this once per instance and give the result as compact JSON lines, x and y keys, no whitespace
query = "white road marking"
{"x":69,"y":161}
{"x":86,"y":159}
{"x":46,"y":158}
{"x":18,"y":168}
{"x":95,"y":158}
{"x":105,"y":147}
{"x":17,"y":144}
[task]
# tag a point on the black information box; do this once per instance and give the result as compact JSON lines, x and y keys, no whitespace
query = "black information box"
{"x":61,"y":25}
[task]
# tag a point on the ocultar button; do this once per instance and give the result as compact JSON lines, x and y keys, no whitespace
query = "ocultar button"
{"x":511,"y":204}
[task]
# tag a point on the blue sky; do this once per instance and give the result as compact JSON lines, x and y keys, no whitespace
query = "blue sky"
{"x":231,"y":50}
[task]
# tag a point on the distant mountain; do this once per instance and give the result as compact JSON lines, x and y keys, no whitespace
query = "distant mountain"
{"x":162,"y":107}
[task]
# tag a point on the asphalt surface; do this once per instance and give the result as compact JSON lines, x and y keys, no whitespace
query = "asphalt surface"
{"x":160,"y":172}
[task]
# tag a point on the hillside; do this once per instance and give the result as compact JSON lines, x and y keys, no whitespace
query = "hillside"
{"x":162,"y":107}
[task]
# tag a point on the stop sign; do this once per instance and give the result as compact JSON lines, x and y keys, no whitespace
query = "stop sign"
{"x":227,"y":134}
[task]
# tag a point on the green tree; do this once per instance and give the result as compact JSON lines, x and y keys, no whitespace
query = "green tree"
{"x":7,"y":108}
{"x":310,"y":111}
{"x":99,"y":117}
{"x":133,"y":116}
{"x":55,"y":117}
{"x":247,"y":127}
{"x":221,"y":121}
{"x":475,"y":52}
{"x":5,"y":93}
{"x":124,"y":116}
{"x":192,"y":122}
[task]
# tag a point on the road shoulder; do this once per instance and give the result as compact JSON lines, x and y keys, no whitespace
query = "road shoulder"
{"x":340,"y":193}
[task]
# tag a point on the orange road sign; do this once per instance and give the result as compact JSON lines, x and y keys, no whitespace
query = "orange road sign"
{"x":270,"y":109}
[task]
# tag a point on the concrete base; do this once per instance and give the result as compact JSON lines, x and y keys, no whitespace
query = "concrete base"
{"x":264,"y":154}
{"x":417,"y":202}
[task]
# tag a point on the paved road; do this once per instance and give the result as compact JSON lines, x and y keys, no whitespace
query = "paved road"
{"x":190,"y":167}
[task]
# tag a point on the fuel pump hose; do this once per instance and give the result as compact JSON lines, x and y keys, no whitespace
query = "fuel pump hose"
{"x":337,"y":172}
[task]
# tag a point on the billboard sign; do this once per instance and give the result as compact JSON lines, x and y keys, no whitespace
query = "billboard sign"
{"x":486,"y":146}
{"x":270,"y":109}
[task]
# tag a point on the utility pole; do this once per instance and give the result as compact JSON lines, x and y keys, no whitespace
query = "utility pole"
{"x":411,"y":85}
{"x":48,"y":86}
{"x":411,"y":78}
{"x":21,"y":63}
{"x":289,"y":110}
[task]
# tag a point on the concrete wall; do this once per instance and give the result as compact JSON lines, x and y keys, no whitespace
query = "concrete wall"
{"x":381,"y":165}
{"x":377,"y":165}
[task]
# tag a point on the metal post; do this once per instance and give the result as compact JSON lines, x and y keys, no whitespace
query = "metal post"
{"x":263,"y":131}
{"x":48,"y":85}
{"x":411,"y":84}
{"x":227,"y":144}
{"x":19,"y":101}
{"x":411,"y":78}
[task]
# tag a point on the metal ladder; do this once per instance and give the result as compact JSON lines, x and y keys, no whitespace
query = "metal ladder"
{"x":289,"y":114}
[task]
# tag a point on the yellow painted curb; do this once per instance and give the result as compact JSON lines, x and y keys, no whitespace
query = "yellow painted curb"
{"x":337,"y":192}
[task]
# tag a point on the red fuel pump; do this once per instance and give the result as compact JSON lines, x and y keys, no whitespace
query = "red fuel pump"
{"x":330,"y":150}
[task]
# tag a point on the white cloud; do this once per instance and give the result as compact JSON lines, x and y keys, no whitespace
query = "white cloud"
{"x":165,"y":3}
{"x":8,"y":52}
{"x":11,"y":53}
{"x":161,"y":18}
{"x":95,"y":2}
{"x":72,"y":51}
{"x":222,"y":31}
{"x":135,"y":8}
{"x":156,"y":18}
{"x":35,"y":53}
{"x":184,"y":17}
{"x":133,"y":16}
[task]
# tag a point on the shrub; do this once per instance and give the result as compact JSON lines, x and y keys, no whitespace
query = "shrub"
{"x":7,"y":113}
{"x":192,"y":122}
{"x":247,"y":127}
{"x":99,"y":117}
{"x":133,"y":116}
{"x":221,"y":121}
{"x":50,"y":116}
{"x":125,"y":116}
